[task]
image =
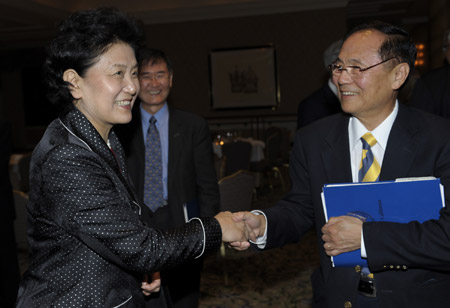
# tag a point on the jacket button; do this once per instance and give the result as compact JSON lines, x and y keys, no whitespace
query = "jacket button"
{"x":347,"y":304}
{"x":357,"y":268}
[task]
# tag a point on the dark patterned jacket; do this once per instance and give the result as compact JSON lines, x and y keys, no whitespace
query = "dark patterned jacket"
{"x":88,"y":246}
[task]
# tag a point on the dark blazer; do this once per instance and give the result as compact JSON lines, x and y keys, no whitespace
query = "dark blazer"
{"x":88,"y":245}
{"x":318,"y":105}
{"x":191,"y":179}
{"x":411,"y":262}
{"x":191,"y":172}
{"x":432,"y":92}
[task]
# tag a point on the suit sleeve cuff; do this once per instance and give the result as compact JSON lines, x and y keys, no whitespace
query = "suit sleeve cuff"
{"x":211,"y":234}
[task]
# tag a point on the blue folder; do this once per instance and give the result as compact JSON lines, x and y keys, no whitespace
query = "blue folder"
{"x":404,"y":200}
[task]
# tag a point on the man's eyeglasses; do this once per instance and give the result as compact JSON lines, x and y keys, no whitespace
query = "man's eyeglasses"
{"x":354,"y":71}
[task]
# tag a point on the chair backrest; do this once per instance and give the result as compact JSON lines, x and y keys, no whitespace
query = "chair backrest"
{"x":23,"y":169}
{"x":236,"y":191}
{"x":237,"y":156}
{"x":20,"y":223}
{"x":277,"y":146}
{"x":273,"y":148}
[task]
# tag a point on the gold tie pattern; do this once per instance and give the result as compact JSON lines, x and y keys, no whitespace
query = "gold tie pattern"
{"x":369,"y":169}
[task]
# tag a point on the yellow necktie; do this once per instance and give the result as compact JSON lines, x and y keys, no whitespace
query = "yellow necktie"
{"x":369,"y":169}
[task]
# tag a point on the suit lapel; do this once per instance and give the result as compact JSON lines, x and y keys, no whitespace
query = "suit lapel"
{"x":402,"y":146}
{"x":80,"y":127}
{"x":121,"y":161}
{"x":175,"y":145}
{"x":335,"y":153}
{"x":138,"y":157}
{"x":446,"y":93}
{"x":401,"y":149}
{"x":133,"y":143}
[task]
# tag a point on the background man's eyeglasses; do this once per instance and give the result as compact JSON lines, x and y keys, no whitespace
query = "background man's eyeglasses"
{"x":352,"y":70}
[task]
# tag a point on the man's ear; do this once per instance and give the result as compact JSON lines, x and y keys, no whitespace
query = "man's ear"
{"x":72,"y":77}
{"x":170,"y":79}
{"x":400,"y":74}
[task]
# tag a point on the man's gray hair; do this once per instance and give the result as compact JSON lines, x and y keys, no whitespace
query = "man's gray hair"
{"x":446,"y":41}
{"x":331,"y":53}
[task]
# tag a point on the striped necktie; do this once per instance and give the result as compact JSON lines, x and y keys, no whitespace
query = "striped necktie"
{"x":369,"y":169}
{"x":153,"y":184}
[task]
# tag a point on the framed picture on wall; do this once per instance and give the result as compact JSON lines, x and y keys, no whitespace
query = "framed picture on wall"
{"x":244,"y":78}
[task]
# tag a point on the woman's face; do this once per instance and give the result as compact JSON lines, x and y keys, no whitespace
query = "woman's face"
{"x":106,"y":94}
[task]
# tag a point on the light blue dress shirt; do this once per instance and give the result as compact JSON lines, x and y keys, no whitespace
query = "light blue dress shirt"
{"x":162,"y":123}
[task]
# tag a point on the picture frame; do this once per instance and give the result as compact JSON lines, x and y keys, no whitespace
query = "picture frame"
{"x":244,"y":78}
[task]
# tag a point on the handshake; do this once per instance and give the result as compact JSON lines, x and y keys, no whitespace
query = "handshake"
{"x":240,"y":227}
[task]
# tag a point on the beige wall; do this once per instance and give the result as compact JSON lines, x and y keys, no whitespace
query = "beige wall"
{"x":299,"y":40}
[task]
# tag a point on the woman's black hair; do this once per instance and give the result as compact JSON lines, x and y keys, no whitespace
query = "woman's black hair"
{"x":80,"y":40}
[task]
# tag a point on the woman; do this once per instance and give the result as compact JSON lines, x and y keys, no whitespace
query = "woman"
{"x":88,"y":247}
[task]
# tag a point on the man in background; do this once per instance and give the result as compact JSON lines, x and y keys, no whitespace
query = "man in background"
{"x":408,"y":264}
{"x":181,"y":181}
{"x":324,"y":101}
{"x":432,"y":90}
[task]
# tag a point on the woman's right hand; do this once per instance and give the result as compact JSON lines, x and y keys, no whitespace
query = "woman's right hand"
{"x":232,"y":231}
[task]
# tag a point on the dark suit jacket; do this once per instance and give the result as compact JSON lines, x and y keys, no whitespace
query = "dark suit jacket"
{"x":418,"y":145}
{"x":191,"y":172}
{"x":88,"y":245}
{"x":318,"y":105}
{"x":432,"y":92}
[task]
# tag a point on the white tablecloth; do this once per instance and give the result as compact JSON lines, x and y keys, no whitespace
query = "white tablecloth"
{"x":257,"y":153}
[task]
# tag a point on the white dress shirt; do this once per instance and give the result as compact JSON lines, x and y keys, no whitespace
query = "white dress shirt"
{"x":381,"y":133}
{"x":355,"y":131}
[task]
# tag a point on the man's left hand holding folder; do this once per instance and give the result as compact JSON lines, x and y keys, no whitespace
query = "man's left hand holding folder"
{"x":342,"y":234}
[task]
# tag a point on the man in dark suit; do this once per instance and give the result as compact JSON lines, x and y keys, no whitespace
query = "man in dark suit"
{"x":324,"y":101}
{"x":432,"y":90}
{"x":409,"y":263}
{"x":189,"y":177}
{"x":9,"y":264}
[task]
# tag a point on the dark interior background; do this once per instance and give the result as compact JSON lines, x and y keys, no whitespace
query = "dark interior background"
{"x":299,"y":37}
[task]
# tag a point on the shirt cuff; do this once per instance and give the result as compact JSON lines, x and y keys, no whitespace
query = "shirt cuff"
{"x":262,"y":240}
{"x":363,"y":247}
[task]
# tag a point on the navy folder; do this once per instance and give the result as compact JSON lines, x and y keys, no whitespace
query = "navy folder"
{"x":404,"y":200}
